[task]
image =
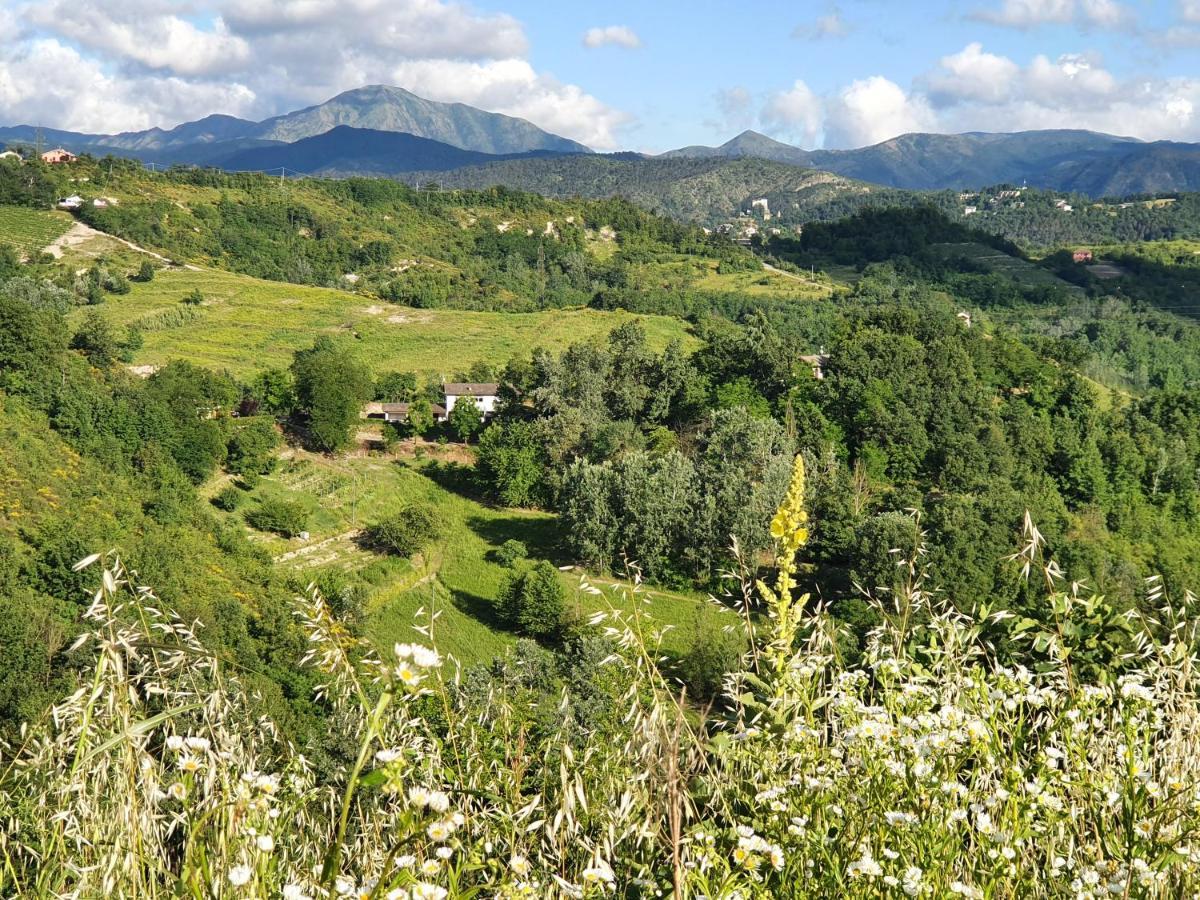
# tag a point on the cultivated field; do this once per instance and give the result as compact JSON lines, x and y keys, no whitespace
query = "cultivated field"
{"x":1019,"y":270}
{"x":246,"y":324}
{"x":31,"y":230}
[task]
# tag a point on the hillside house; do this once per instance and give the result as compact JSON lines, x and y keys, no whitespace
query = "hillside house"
{"x":72,"y":202}
{"x":485,"y":395}
{"x":58,"y":155}
{"x":11,"y":154}
{"x":398,"y":412}
{"x":1082,"y":256}
{"x":817,"y":362}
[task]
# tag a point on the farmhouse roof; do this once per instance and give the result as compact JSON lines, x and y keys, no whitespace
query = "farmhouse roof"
{"x":471,"y":388}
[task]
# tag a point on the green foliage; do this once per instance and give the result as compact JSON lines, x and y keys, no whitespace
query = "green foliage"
{"x":533,"y":603}
{"x":251,"y":447}
{"x":465,"y":420}
{"x":193,"y":298}
{"x":229,"y":498}
{"x":145,"y":273}
{"x":96,"y":339}
{"x":510,"y":464}
{"x":283,"y":517}
{"x":512,"y":550}
{"x":331,"y":387}
{"x":420,"y":416}
{"x":406,"y":533}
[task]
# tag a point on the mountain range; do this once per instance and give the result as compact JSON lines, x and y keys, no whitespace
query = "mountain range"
{"x":388,"y":131}
{"x":209,"y":141}
{"x":1083,"y":162}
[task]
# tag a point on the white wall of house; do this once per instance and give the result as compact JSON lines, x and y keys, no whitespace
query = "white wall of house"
{"x":487,"y":403}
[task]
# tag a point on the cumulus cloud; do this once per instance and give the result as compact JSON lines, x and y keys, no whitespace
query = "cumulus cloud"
{"x":1031,"y":13}
{"x":612,"y":36}
{"x":875,"y":109}
{"x":830,"y":25}
{"x":796,"y":113}
{"x":112,"y":65}
{"x":1189,"y":10}
{"x":974,"y":89}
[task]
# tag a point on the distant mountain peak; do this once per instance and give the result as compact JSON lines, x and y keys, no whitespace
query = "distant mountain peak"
{"x":384,"y":107}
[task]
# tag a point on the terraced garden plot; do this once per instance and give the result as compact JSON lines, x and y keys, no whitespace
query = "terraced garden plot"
{"x":31,"y":230}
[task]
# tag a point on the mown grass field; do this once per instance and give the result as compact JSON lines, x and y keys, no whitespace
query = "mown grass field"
{"x":247,"y":324}
{"x":457,"y":577}
{"x":31,"y":230}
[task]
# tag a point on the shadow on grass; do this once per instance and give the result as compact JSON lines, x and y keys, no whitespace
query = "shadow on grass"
{"x":539,"y":535}
{"x":453,"y":477}
{"x":481,"y":609}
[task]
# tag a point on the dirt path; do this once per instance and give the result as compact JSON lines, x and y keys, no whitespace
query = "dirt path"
{"x":80,"y":233}
{"x":792,"y":275}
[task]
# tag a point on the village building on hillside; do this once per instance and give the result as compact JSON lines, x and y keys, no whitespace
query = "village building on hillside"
{"x":72,"y":202}
{"x":1082,"y":256}
{"x":11,"y":154}
{"x":485,"y":395}
{"x":817,"y":362}
{"x":58,"y":155}
{"x":398,"y":412}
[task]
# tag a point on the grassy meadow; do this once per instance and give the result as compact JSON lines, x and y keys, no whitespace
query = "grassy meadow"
{"x":458,"y":576}
{"x":246,"y":324}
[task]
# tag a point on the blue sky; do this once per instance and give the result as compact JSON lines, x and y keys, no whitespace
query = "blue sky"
{"x":653,"y":75}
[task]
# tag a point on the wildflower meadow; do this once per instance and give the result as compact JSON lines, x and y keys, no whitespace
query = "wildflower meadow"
{"x":933,"y":766}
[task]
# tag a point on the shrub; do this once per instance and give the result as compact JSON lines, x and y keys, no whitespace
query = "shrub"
{"x":284,"y":517}
{"x":145,"y":273}
{"x":229,"y":498}
{"x":534,"y":602}
{"x":407,"y":532}
{"x":510,"y":551}
{"x":193,"y":297}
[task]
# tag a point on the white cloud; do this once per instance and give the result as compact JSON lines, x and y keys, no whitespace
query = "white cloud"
{"x":1072,"y":91}
{"x":157,"y":41}
{"x":875,"y":109}
{"x":612,"y":36}
{"x":113,"y":65}
{"x":797,"y":113}
{"x":830,"y":25}
{"x":972,"y":73}
{"x":1189,"y":10}
{"x":45,"y":82}
{"x":1031,"y":13}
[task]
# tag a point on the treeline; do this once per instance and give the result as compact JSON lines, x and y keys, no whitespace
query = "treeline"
{"x":921,"y":425}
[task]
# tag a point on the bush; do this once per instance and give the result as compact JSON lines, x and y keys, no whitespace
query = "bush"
{"x":534,"y":603}
{"x":407,"y":532}
{"x":252,"y":448}
{"x":510,"y":551}
{"x":229,"y":498}
{"x":283,"y":517}
{"x":194,"y":297}
{"x":145,"y":273}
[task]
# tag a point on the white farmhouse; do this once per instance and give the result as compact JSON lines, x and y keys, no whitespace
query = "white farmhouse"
{"x":485,"y":395}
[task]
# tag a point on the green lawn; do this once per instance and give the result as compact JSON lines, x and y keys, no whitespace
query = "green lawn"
{"x":247,"y":324}
{"x":457,"y":578}
{"x":31,"y":230}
